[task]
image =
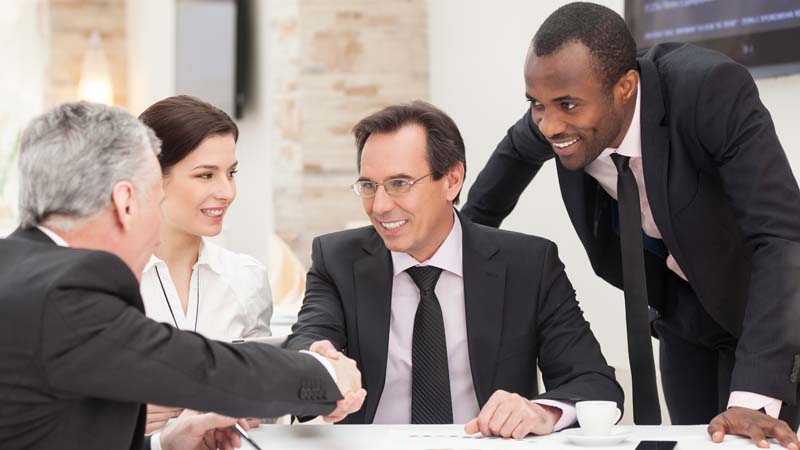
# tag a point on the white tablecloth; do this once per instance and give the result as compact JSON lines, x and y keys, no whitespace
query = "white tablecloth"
{"x":396,"y":437}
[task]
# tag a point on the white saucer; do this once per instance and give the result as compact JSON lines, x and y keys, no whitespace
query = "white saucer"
{"x":578,"y":436}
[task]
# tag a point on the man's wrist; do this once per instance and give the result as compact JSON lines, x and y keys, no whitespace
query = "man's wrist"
{"x":562,"y":410}
{"x":324,"y":361}
{"x":751,"y":400}
{"x":554,"y":412}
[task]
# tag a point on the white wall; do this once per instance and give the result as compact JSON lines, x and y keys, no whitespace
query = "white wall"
{"x":151,"y":75}
{"x":150,"y":28}
{"x":24,"y":36}
{"x":250,"y":221}
{"x":477,"y":50}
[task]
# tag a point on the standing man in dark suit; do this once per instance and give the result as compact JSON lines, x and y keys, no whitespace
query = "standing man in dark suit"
{"x":78,"y":358}
{"x":446,"y":319}
{"x":707,"y":227}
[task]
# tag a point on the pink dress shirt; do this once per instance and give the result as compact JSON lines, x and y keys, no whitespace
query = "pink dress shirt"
{"x":394,"y":406}
{"x":604,"y":171}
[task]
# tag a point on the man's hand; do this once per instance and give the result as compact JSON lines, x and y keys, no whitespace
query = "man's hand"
{"x":756,"y":425}
{"x":348,"y":379}
{"x":198,"y":431}
{"x":157,"y":417}
{"x":324,"y":348}
{"x":511,"y":415}
{"x":349,"y":404}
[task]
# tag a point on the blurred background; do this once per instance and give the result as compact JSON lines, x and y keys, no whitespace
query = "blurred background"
{"x":298,"y":74}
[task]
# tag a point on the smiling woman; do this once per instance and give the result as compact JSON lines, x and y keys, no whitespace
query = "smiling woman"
{"x":191,"y":283}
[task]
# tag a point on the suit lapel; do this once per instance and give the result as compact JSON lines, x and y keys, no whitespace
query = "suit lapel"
{"x":655,"y":151}
{"x":373,"y":287}
{"x":484,"y":296}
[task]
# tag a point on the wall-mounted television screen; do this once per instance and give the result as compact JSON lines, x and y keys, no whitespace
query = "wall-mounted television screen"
{"x":209,"y":52}
{"x":764,"y":35}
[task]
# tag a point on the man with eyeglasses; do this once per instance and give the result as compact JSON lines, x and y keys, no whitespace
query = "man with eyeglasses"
{"x":445,"y":319}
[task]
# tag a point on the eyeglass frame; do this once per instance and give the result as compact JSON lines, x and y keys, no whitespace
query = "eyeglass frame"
{"x":410,"y":184}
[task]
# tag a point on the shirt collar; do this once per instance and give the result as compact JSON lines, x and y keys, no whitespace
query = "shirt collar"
{"x":53,"y":236}
{"x":631,"y":145}
{"x":448,"y":256}
{"x":154,"y":260}
{"x":210,"y":256}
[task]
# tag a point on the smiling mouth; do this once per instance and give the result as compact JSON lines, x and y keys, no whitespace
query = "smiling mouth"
{"x":393,"y":225}
{"x":213,"y":212}
{"x":564,"y":145}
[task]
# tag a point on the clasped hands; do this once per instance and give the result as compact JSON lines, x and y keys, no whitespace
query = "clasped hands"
{"x":348,"y":379}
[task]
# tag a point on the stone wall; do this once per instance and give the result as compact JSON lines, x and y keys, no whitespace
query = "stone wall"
{"x":71,"y":24}
{"x":332,"y":63}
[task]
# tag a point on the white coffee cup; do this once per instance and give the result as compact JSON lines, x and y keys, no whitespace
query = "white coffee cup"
{"x":597,"y":417}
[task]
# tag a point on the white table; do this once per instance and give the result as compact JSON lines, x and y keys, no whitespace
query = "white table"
{"x":452,"y":437}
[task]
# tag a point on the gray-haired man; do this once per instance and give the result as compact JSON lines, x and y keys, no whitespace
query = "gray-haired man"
{"x":78,"y":358}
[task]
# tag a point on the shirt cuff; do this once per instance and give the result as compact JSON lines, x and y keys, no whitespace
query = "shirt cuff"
{"x":568,"y":414}
{"x":751,"y":400}
{"x":324,"y":361}
{"x":155,"y":441}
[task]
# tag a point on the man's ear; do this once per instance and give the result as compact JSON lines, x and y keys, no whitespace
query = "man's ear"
{"x":123,"y":204}
{"x":454,"y":180}
{"x":625,"y":89}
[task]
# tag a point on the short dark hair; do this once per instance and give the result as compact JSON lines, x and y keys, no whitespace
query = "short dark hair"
{"x":182,"y":122}
{"x":445,"y":145}
{"x":600,"y":29}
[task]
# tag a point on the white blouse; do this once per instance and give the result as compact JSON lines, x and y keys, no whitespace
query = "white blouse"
{"x":229,"y":295}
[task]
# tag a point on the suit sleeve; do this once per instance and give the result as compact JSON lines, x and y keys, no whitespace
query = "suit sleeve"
{"x":573,"y":368}
{"x":737,"y":131}
{"x":94,"y":344}
{"x":512,"y":166}
{"x":321,"y":316}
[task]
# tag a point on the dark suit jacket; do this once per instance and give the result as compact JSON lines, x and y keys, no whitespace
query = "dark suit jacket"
{"x":520,"y":310}
{"x":722,"y":194}
{"x":78,"y":358}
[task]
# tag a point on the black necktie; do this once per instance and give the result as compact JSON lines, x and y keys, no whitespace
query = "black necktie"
{"x":646,"y":409}
{"x":430,"y":377}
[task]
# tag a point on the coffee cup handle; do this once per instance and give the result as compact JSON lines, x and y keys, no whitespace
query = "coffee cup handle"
{"x":619,"y":416}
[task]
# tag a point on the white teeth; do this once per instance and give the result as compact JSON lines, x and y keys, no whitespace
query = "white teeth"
{"x":393,"y":225}
{"x":564,"y":144}
{"x":212,"y":212}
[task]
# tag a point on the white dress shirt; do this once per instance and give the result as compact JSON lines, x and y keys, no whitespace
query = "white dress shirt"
{"x":233,"y":300}
{"x":604,"y":171}
{"x":394,"y":406}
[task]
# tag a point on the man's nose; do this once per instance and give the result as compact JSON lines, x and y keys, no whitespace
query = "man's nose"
{"x":550,"y":124}
{"x":382,"y":202}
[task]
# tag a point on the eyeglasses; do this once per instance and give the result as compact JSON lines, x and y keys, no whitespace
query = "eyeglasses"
{"x":394,"y":186}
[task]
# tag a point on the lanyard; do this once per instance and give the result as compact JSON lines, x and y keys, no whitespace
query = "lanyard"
{"x":166,"y":298}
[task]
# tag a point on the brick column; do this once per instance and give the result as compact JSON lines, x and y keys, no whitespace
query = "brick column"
{"x":331,"y":64}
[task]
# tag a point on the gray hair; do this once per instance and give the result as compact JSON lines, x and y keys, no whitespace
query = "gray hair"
{"x":71,"y":157}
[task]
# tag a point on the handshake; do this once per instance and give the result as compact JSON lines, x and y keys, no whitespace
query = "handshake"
{"x":348,"y":379}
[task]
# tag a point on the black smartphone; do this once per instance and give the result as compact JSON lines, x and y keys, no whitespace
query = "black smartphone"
{"x":656,"y":445}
